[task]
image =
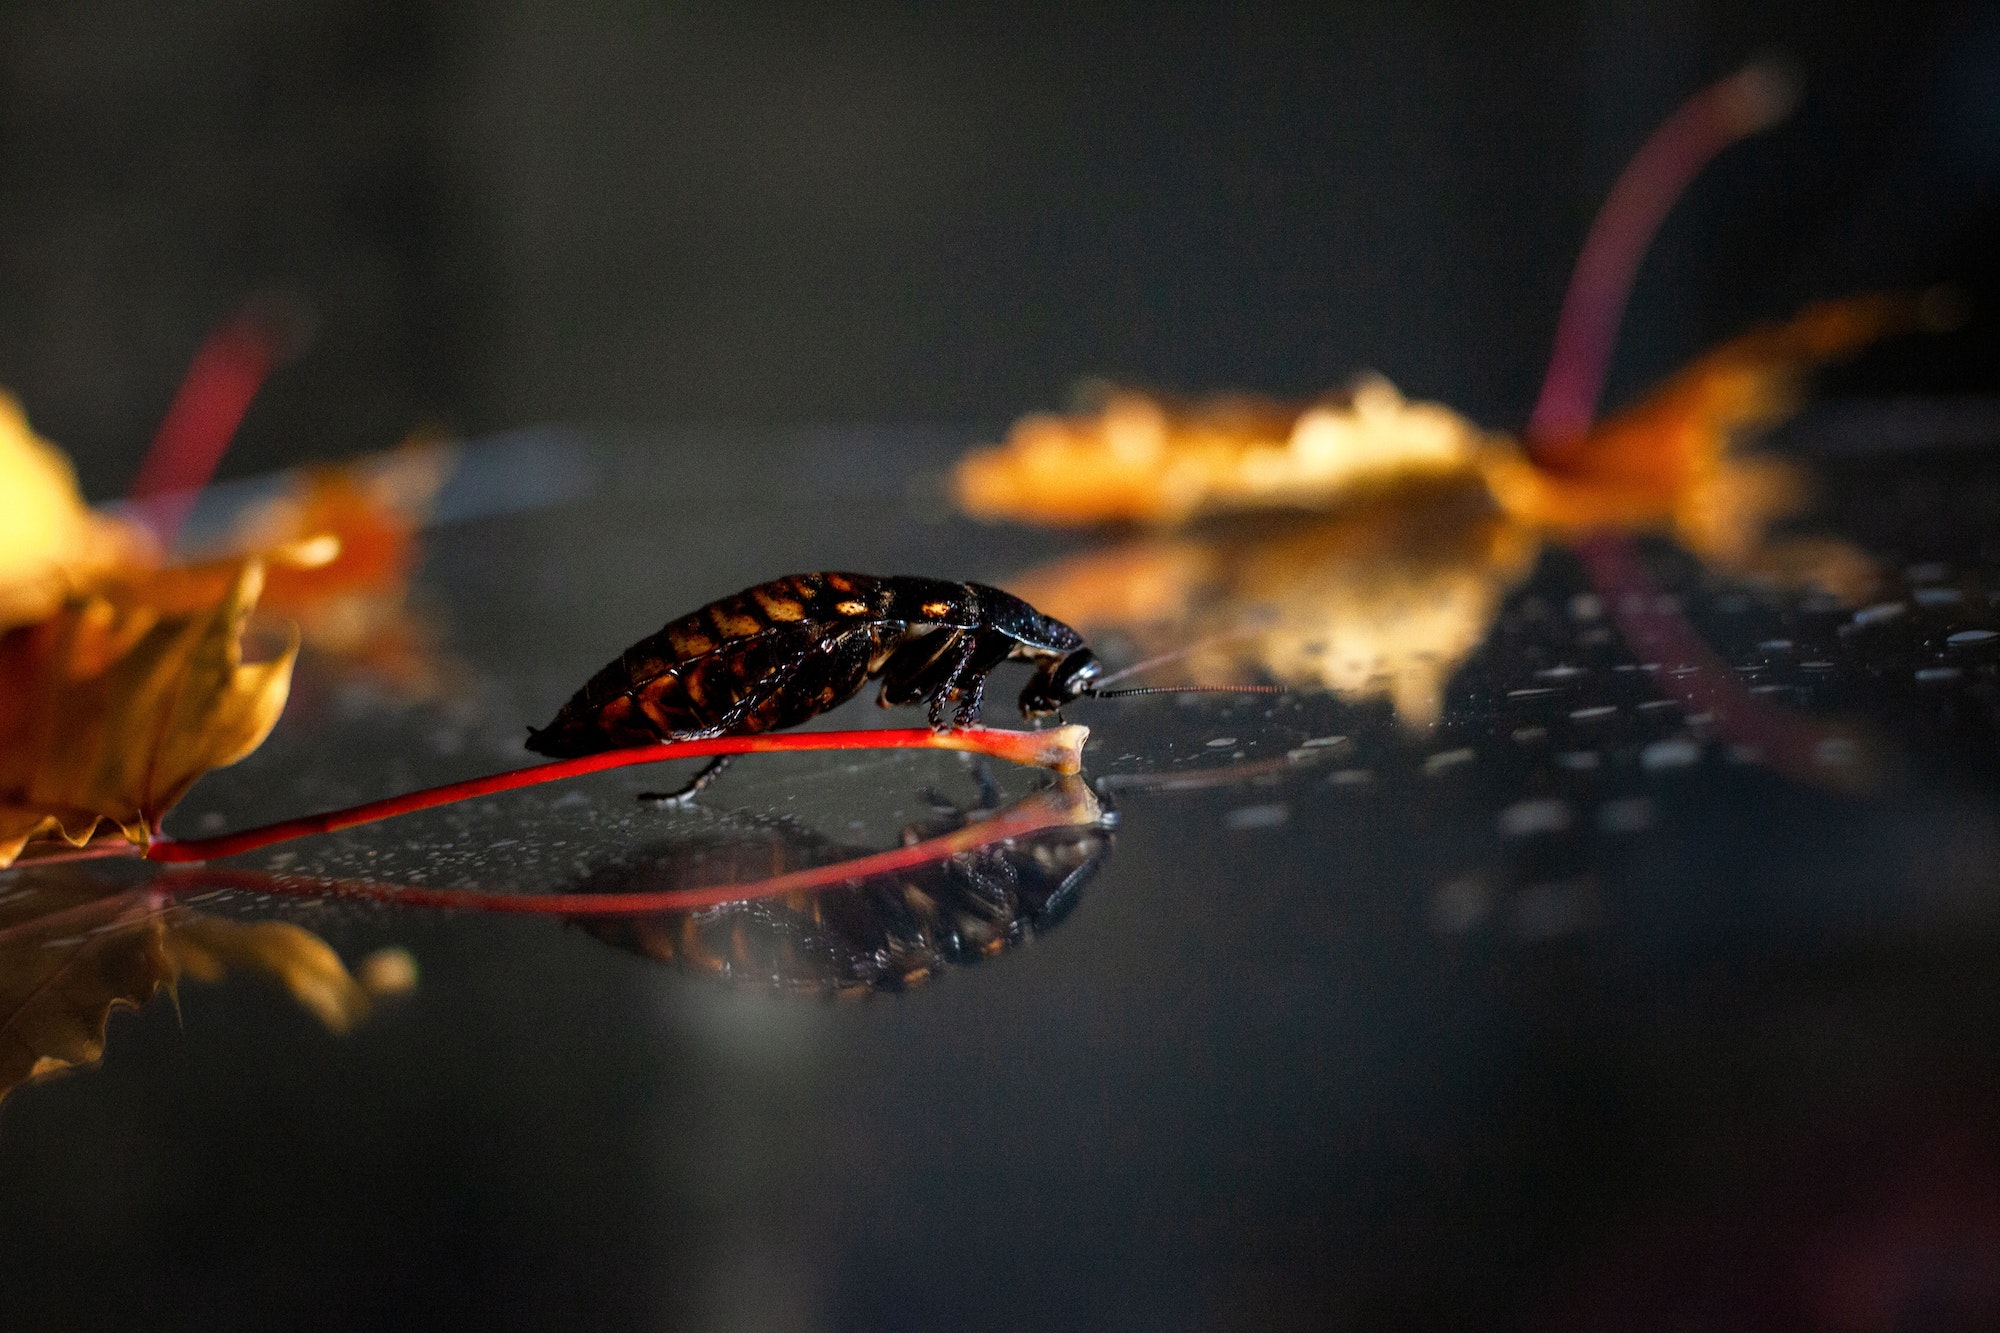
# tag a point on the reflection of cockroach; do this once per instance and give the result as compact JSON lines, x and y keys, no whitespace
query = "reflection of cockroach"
{"x":885,"y":933}
{"x":786,"y":651}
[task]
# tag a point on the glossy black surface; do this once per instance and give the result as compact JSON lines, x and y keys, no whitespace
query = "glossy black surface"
{"x":1564,"y":1012}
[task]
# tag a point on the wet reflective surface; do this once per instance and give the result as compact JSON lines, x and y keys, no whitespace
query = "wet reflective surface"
{"x":1616,"y":951}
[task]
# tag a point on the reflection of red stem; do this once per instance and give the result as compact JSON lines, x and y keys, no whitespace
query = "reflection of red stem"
{"x":220,"y":382}
{"x":1059,"y":748}
{"x":1056,"y":807}
{"x":1740,"y":105}
{"x":1790,"y":743}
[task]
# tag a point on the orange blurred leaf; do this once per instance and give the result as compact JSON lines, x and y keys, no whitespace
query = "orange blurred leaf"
{"x":1667,"y":464}
{"x":110,"y":712}
{"x":51,"y":544}
{"x":1141,"y":459}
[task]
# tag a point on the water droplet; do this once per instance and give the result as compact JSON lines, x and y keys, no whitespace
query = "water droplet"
{"x":1938,"y":596}
{"x":1350,"y":777}
{"x":1447,"y":759}
{"x":1930,"y":675}
{"x":1546,"y":911}
{"x":1527,"y":734}
{"x":1561,"y":673}
{"x":1256,"y":817}
{"x":1775,"y":646}
{"x":1816,"y":666}
{"x":1634,"y":814}
{"x":1220,"y":741}
{"x":1316,"y":741}
{"x":1533,"y":692}
{"x":1878,"y":613}
{"x":1654,"y":705}
{"x":1586,"y":606}
{"x":1674,"y":752}
{"x":1593,"y":714}
{"x":1581,"y":761}
{"x":1546,"y":815}
{"x":1460,"y":905}
{"x":1971,"y":636}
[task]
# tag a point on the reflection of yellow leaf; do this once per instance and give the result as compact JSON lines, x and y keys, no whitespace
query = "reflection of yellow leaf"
{"x":111,"y":712}
{"x":1141,"y":460}
{"x":68,"y":957}
{"x":205,"y":947}
{"x":1382,"y":600}
{"x":72,"y":952}
{"x":51,"y":544}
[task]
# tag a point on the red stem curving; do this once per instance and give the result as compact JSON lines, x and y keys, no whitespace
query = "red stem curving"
{"x":220,"y":382}
{"x":1061,"y":806}
{"x":1059,"y":748}
{"x":1750,"y":100}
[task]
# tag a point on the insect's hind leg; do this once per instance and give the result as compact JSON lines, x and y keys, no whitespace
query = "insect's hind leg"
{"x":709,"y":773}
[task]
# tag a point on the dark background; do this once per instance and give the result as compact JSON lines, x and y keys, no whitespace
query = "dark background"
{"x":784,"y":213}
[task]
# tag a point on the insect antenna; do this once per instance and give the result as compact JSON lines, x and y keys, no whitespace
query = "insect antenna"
{"x":1173,"y":655}
{"x":1186,"y":689}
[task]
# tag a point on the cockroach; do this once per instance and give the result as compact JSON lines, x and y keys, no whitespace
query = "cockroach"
{"x":784,"y":652}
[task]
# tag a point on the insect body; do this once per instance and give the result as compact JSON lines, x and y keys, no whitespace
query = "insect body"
{"x":778,"y":654}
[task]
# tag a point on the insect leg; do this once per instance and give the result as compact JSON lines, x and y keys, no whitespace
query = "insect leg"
{"x":946,"y":688}
{"x":969,"y":681}
{"x":709,"y":773}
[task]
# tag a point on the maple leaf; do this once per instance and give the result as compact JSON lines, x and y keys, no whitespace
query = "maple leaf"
{"x":73,"y":952}
{"x":362,"y":520}
{"x":111,"y":711}
{"x":51,"y":544}
{"x":1140,"y":459}
{"x":1669,"y":463}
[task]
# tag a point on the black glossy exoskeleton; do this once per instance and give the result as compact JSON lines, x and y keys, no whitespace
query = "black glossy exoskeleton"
{"x":783,"y":652}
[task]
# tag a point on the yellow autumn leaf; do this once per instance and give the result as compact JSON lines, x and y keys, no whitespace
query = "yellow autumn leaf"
{"x":73,"y":952}
{"x":52,"y":545}
{"x":1140,"y":459}
{"x":110,"y":712}
{"x":1669,"y":464}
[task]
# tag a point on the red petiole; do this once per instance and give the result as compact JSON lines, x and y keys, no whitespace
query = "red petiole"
{"x":1066,"y":805}
{"x":1059,"y":748}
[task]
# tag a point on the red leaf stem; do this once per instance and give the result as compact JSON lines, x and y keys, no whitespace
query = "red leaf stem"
{"x":220,"y":382}
{"x":1065,"y":805}
{"x":1059,"y":748}
{"x":1750,"y":100}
